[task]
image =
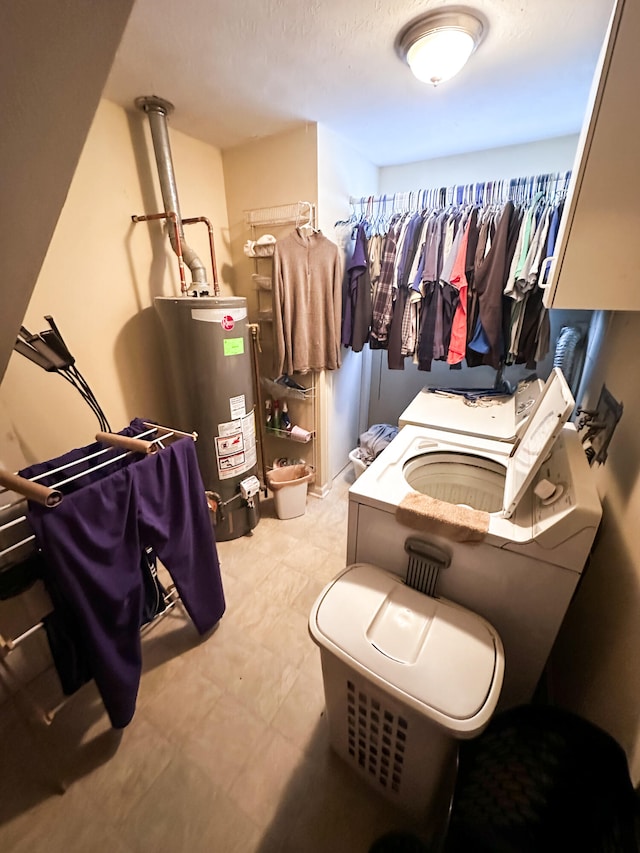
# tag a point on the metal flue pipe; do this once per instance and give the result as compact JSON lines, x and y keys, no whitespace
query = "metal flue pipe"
{"x":157,"y":109}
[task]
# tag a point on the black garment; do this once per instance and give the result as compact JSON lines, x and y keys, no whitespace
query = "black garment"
{"x":430,"y":304}
{"x":395,"y":359}
{"x":507,"y":301}
{"x":362,"y":315}
{"x":67,"y":650}
{"x":469,"y":273}
{"x":528,"y":341}
{"x":490,"y":275}
{"x":450,"y":301}
{"x":18,"y":577}
{"x":154,"y":592}
{"x":356,"y":316}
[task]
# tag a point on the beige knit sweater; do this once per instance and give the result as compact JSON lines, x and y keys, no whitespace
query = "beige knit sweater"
{"x":307,"y":303}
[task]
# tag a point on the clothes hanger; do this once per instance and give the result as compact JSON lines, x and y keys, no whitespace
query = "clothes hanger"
{"x":377,"y":225}
{"x":308,"y":225}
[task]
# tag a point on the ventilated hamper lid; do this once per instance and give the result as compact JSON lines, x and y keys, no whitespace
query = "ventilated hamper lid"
{"x":440,"y":659}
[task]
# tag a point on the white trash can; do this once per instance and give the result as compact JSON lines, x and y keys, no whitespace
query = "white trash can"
{"x":289,"y":487}
{"x":405,"y":677}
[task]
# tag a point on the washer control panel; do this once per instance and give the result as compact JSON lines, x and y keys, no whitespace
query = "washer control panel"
{"x":553,"y":490}
{"x":566,"y":509}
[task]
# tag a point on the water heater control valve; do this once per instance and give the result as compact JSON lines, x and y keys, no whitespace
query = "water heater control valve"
{"x":249,"y":487}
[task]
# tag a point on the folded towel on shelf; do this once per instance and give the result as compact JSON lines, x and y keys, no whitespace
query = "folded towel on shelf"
{"x":460,"y":523}
{"x":261,"y":248}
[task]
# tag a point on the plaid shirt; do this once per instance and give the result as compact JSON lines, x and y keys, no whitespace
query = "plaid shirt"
{"x":382,"y":310}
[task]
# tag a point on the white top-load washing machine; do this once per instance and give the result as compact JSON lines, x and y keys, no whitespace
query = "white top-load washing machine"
{"x":496,"y":417}
{"x":543,"y":510}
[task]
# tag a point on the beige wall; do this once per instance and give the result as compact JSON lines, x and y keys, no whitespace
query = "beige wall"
{"x":266,"y":173}
{"x":46,"y":108}
{"x":99,"y":278}
{"x":596,"y":662}
{"x":276,"y":170}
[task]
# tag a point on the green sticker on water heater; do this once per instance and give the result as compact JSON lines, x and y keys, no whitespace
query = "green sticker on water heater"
{"x":233,"y":346}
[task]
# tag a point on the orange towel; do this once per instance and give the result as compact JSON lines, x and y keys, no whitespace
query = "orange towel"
{"x":433,"y":516}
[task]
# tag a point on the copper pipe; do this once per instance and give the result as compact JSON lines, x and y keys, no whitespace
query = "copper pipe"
{"x":191,"y":221}
{"x":174,"y":218}
{"x":157,"y":110}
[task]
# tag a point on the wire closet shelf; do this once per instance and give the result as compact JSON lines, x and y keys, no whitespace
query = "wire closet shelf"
{"x":295,"y":213}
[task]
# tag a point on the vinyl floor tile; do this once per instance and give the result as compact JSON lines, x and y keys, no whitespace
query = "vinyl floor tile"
{"x":228,"y":751}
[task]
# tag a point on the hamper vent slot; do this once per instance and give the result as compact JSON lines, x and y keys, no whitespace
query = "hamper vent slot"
{"x":377,"y":751}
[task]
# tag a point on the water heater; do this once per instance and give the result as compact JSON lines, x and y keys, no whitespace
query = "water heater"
{"x":207,"y":342}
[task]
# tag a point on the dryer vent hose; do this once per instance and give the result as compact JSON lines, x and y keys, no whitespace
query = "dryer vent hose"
{"x":568,"y":353}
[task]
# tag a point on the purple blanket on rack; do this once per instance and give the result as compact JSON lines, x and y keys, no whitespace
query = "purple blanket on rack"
{"x":92,"y":544}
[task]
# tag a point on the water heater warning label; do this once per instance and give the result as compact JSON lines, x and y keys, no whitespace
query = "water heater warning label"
{"x":237,"y":406}
{"x":230,"y":443}
{"x":236,"y":443}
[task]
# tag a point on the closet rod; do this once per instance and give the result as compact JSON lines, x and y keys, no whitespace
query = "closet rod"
{"x":499,"y":190}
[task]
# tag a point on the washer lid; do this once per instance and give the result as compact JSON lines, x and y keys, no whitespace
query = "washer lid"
{"x":442,"y":660}
{"x":550,"y":413}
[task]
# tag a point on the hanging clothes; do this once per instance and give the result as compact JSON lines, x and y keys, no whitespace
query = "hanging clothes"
{"x":490,"y":275}
{"x":459,"y":279}
{"x":307,"y":300}
{"x":404,"y":259}
{"x":356,"y":317}
{"x":411,"y":319}
{"x":458,"y":337}
{"x":92,"y":545}
{"x":382,"y":309}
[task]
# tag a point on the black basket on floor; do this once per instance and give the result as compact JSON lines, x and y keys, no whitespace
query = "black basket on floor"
{"x":541,"y":780}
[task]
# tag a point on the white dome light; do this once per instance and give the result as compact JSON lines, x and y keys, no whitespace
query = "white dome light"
{"x":438,"y":45}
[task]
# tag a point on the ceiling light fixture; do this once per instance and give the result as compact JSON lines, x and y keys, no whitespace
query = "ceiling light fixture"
{"x":437,"y":45}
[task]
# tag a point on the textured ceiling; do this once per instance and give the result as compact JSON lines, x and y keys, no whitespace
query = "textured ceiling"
{"x":251,"y":68}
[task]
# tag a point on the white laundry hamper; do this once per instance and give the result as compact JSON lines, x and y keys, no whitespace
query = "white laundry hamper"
{"x":357,"y":463}
{"x":405,"y":677}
